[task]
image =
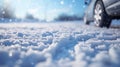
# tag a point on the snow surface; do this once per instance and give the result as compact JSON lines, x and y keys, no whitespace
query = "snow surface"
{"x":58,"y":45}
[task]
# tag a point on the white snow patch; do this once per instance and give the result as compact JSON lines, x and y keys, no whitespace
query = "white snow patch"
{"x":58,"y":45}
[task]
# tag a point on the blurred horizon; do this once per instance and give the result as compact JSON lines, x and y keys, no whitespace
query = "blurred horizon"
{"x":41,"y":10}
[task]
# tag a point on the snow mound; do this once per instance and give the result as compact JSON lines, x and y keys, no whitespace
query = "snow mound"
{"x":58,"y":45}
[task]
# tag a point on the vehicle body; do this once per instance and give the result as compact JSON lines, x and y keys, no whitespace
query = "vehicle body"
{"x":102,"y":12}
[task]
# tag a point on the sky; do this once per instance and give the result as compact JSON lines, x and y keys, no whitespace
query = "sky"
{"x":46,"y":9}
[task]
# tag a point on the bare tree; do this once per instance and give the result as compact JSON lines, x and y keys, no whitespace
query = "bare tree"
{"x":66,"y":17}
{"x":30,"y":17}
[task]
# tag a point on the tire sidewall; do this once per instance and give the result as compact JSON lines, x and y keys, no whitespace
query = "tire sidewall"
{"x":103,"y":14}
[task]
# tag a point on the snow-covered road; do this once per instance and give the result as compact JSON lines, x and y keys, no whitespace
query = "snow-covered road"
{"x":58,"y":45}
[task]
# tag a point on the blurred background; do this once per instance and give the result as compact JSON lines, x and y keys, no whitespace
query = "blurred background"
{"x":41,"y":10}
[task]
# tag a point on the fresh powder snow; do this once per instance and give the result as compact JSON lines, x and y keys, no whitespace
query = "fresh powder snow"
{"x":60,"y":44}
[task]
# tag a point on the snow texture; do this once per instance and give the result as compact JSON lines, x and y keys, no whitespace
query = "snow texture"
{"x":58,"y":45}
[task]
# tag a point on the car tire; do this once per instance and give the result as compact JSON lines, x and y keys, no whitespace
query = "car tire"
{"x":101,"y":18}
{"x":86,"y":21}
{"x":108,"y":22}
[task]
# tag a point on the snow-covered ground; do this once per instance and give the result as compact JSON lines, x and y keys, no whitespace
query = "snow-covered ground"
{"x":58,"y":45}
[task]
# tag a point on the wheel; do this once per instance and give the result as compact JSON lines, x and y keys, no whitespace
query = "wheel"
{"x":86,"y":21}
{"x":101,"y":19}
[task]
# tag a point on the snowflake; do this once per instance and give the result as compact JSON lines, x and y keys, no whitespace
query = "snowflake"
{"x":62,"y":2}
{"x":73,"y":1}
{"x":70,"y":5}
{"x":3,"y":12}
{"x":10,"y":20}
{"x":84,"y":6}
{"x":2,"y":19}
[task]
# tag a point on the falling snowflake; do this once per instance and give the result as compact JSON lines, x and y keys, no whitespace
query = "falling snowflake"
{"x":70,"y":5}
{"x":62,"y":2}
{"x":84,"y":6}
{"x":2,"y":19}
{"x":73,"y":1}
{"x":10,"y":20}
{"x":3,"y":12}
